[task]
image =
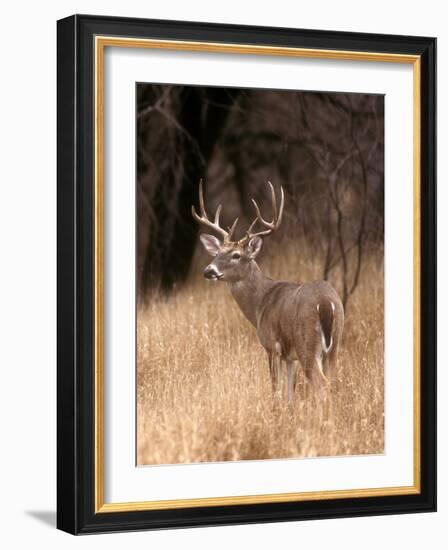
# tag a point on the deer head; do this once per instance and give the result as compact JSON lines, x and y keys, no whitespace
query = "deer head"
{"x":232,"y":258}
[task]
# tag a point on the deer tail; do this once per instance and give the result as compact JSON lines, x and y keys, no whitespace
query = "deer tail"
{"x":325,"y":309}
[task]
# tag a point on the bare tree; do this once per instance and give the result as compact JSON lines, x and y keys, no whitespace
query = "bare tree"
{"x":325,"y":149}
{"x":177,"y":129}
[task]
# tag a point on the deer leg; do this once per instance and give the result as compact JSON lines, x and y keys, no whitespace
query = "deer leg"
{"x":311,"y":377}
{"x":323,"y":380}
{"x":315,"y":376}
{"x":273,"y":370}
{"x":324,"y":387}
{"x":292,"y":380}
{"x":330,"y":361}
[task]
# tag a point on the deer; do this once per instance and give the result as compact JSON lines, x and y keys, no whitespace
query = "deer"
{"x":297,"y":323}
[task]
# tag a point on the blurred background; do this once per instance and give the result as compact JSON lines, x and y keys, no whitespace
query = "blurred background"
{"x":325,"y":149}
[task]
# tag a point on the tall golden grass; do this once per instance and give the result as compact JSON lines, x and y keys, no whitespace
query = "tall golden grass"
{"x":203,"y":386}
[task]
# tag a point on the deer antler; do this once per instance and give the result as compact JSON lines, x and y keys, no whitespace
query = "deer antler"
{"x":227,"y":235}
{"x":276,"y":216}
{"x":204,"y":220}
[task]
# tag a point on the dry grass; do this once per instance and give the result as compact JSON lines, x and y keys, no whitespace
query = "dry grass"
{"x":203,"y":388}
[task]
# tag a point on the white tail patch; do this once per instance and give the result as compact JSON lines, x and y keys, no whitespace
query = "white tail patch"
{"x":324,"y":344}
{"x":325,"y":348}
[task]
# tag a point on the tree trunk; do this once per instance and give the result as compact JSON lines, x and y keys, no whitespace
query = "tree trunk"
{"x":201,"y":119}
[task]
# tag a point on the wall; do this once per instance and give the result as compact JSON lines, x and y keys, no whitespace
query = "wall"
{"x":27,"y":273}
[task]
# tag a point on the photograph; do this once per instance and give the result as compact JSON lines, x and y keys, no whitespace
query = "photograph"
{"x":221,"y":275}
{"x":246,"y":264}
{"x":259,"y":274}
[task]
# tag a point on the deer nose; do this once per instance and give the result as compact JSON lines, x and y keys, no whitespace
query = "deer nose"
{"x":210,"y":272}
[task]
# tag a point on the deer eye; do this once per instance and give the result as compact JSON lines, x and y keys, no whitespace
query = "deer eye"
{"x":236,"y":256}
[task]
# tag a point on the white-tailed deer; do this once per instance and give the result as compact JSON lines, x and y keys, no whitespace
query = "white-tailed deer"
{"x":294,"y":321}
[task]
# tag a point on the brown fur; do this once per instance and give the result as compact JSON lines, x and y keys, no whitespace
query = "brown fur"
{"x":286,"y":313}
{"x":293,"y":320}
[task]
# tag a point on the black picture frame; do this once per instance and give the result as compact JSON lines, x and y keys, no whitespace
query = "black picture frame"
{"x":76,"y":272}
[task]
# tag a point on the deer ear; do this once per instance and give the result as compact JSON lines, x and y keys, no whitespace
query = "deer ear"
{"x":254,"y":246}
{"x":211,"y":244}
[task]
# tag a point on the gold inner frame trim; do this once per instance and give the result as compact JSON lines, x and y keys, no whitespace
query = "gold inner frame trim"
{"x":101,"y":42}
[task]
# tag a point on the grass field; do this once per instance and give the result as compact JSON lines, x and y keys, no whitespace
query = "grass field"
{"x":203,"y":387}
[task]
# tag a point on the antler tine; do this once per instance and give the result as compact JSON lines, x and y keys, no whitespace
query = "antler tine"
{"x":203,"y":218}
{"x":274,"y":201}
{"x":282,"y":204}
{"x":277,"y":214}
{"x":218,"y":214}
{"x":259,"y":216}
{"x":201,"y":199}
{"x":232,"y":229}
{"x":252,"y":225}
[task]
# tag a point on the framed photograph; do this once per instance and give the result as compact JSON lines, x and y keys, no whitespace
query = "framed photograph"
{"x":246,"y":274}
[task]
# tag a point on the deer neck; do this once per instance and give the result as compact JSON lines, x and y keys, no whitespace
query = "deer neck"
{"x":249,"y":291}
